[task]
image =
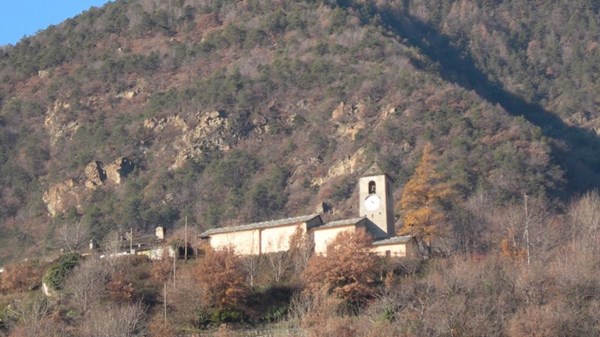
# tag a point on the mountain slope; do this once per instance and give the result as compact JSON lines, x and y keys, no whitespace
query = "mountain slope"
{"x":235,"y":111}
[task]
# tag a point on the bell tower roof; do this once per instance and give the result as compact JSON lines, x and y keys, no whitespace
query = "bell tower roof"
{"x":375,"y":170}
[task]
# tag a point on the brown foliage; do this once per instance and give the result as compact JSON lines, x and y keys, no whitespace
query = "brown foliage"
{"x":220,"y":274}
{"x":120,"y":290}
{"x":349,"y":271}
{"x":161,"y":269}
{"x":21,"y":276}
{"x":159,"y":328}
{"x":422,"y":198}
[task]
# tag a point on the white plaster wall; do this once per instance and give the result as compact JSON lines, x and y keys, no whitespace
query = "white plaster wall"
{"x":396,"y":250}
{"x":323,"y":237}
{"x":277,"y":239}
{"x":244,"y":243}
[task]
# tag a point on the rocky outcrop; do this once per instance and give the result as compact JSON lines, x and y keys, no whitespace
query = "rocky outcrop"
{"x":62,"y":196}
{"x":94,"y":174}
{"x":117,"y":170}
{"x":58,"y":124}
{"x":97,"y":174}
{"x":348,"y":165}
{"x":347,"y":119}
{"x":206,"y":132}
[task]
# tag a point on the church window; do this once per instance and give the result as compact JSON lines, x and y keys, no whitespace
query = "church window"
{"x":372,"y":188}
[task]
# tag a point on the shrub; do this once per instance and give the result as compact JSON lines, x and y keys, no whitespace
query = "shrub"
{"x":21,"y":276}
{"x":56,"y":274}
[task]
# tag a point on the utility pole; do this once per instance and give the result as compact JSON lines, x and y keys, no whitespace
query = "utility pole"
{"x":165,"y":300}
{"x":130,"y":240}
{"x":185,"y":244}
{"x":527,"y":230}
{"x":175,"y":265}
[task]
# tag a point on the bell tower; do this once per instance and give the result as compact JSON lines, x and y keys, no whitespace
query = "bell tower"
{"x":376,"y":201}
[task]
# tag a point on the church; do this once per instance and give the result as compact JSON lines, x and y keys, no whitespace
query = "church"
{"x":376,"y":217}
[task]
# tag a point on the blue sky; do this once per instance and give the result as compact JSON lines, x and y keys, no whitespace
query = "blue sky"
{"x":20,"y":18}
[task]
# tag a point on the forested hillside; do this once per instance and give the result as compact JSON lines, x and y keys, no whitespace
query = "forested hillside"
{"x":148,"y":113}
{"x":238,"y":111}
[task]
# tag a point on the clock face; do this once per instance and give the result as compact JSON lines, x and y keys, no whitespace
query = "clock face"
{"x":372,"y":202}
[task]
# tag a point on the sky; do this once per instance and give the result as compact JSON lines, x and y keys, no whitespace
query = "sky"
{"x":19,"y":18}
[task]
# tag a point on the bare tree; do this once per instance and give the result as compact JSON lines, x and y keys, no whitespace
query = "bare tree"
{"x":278,"y":263}
{"x":301,"y":249}
{"x":34,"y":316}
{"x":584,"y":216}
{"x":112,"y":243}
{"x":115,"y":321}
{"x":87,"y":284}
{"x":73,"y":236}
{"x":251,"y":266}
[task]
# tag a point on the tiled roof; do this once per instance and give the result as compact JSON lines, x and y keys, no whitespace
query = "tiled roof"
{"x":344,"y":222}
{"x":393,"y":240}
{"x":375,"y":170}
{"x":257,"y":225}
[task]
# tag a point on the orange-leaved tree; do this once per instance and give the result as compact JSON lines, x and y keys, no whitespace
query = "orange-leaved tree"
{"x":220,"y":274}
{"x":349,"y":271}
{"x":422,"y":201}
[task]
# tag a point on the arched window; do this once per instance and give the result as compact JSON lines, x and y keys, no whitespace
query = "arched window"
{"x":372,"y":188}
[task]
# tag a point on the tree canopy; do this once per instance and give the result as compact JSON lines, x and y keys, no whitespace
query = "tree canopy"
{"x":423,"y":199}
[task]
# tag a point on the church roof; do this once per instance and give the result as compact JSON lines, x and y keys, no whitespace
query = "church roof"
{"x":345,"y":222}
{"x":393,"y":240}
{"x":263,"y":224}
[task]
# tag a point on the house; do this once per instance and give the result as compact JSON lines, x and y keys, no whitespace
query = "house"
{"x":376,"y":217}
{"x":261,"y":237}
{"x":153,"y":246}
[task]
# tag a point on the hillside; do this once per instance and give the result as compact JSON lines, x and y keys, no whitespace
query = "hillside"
{"x":142,"y":113}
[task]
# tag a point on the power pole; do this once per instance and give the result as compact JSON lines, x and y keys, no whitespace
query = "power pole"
{"x":130,"y":240}
{"x":175,"y":265}
{"x":165,"y":300}
{"x":185,"y":244}
{"x":527,"y":230}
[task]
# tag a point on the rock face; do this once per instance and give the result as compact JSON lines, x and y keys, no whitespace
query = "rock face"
{"x":207,"y":131}
{"x":62,"y":196}
{"x":343,"y":167}
{"x":351,"y":119}
{"x":58,"y":123}
{"x":95,"y":175}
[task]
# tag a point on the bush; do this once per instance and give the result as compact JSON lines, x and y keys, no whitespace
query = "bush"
{"x":21,"y":276}
{"x":56,"y":274}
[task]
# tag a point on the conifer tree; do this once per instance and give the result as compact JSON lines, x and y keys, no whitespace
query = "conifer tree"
{"x":422,"y":201}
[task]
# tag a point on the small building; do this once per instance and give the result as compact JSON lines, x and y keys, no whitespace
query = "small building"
{"x":399,"y":246}
{"x":376,"y":216}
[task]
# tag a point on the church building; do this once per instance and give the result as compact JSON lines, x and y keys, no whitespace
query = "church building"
{"x":376,"y":217}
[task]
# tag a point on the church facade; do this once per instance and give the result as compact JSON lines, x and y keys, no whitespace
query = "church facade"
{"x":376,"y":217}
